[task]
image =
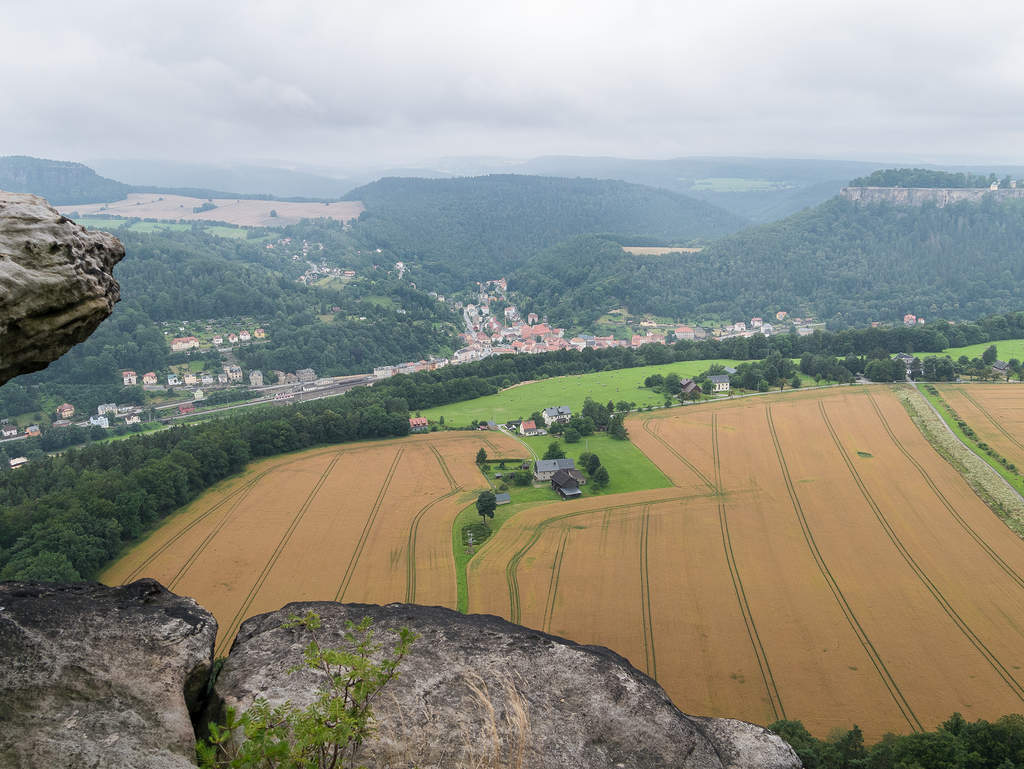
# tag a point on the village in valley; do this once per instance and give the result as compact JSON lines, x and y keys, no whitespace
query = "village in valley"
{"x":486,"y":333}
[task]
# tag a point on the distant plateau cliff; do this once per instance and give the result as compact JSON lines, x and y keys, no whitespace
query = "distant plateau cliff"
{"x":916,"y":196}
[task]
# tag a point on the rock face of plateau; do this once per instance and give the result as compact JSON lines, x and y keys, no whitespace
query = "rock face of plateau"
{"x":918,"y":196}
{"x":93,"y":676}
{"x":56,"y":283}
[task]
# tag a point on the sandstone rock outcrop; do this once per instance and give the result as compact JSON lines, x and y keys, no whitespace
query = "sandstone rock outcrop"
{"x":918,"y":196}
{"x":56,"y":283}
{"x":479,"y":691}
{"x":92,"y":676}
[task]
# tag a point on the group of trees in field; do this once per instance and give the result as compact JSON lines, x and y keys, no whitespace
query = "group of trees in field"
{"x":590,"y":463}
{"x":955,"y":744}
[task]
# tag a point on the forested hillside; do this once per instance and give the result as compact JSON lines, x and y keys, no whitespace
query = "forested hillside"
{"x":170,"y":277}
{"x":470,"y":229}
{"x":60,"y":182}
{"x":845,"y":263}
{"x":922,"y":177}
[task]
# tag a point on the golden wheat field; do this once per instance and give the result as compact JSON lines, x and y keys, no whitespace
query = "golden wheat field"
{"x":815,"y":559}
{"x":365,"y":522}
{"x":994,"y":411}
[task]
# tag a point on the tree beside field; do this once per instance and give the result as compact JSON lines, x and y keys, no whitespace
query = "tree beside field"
{"x":486,"y":504}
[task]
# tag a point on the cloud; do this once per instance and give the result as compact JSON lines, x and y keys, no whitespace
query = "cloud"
{"x":327,"y":82}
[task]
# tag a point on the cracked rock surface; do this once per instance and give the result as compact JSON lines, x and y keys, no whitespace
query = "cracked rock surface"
{"x":56,"y":283}
{"x":92,"y":676}
{"x":476,"y":690}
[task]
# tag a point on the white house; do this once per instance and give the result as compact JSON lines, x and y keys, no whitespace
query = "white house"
{"x":719,"y":383}
{"x":99,"y":421}
{"x":556,"y":414}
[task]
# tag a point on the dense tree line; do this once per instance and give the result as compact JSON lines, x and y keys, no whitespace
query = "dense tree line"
{"x":921,"y":177}
{"x":955,"y":744}
{"x":841,"y":262}
{"x":64,"y":517}
{"x":462,"y":230}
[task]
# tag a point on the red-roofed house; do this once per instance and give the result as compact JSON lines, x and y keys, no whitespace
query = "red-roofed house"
{"x":129,"y":377}
{"x":418,"y":424}
{"x":529,"y":427}
{"x":149,"y":378}
{"x":65,"y":411}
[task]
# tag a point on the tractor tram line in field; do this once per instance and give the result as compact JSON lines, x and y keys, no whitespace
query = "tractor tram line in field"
{"x":556,"y":573}
{"x":444,"y":465}
{"x":771,"y":688}
{"x":981,"y":541}
{"x":707,"y":481}
{"x":876,"y":659}
{"x":264,"y":574}
{"x":925,"y":580}
{"x":368,"y":526}
{"x":646,"y":613}
{"x":238,"y":495}
{"x":538,"y":530}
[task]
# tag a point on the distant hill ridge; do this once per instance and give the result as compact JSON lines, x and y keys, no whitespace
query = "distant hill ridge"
{"x":61,"y":182}
{"x":474,"y":228}
{"x":66,"y":183}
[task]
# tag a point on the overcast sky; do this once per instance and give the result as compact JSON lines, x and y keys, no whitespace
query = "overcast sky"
{"x":345,"y":82}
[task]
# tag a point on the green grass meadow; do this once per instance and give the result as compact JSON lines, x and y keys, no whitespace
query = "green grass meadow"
{"x":96,"y":223}
{"x":603,"y":386}
{"x":1005,"y":350}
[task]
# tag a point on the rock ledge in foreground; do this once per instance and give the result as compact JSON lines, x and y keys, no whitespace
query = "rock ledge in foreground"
{"x":93,"y":676}
{"x":477,"y":690}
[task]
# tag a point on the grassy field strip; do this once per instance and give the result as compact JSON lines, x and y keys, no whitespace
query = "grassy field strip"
{"x":236,"y":621}
{"x":844,"y":605}
{"x":1006,"y":348}
{"x":977,"y":469}
{"x":994,"y":422}
{"x":646,"y":613}
{"x":521,"y":400}
{"x":350,"y":570}
{"x":961,"y":521}
{"x":932,"y":588}
{"x":772,"y":690}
